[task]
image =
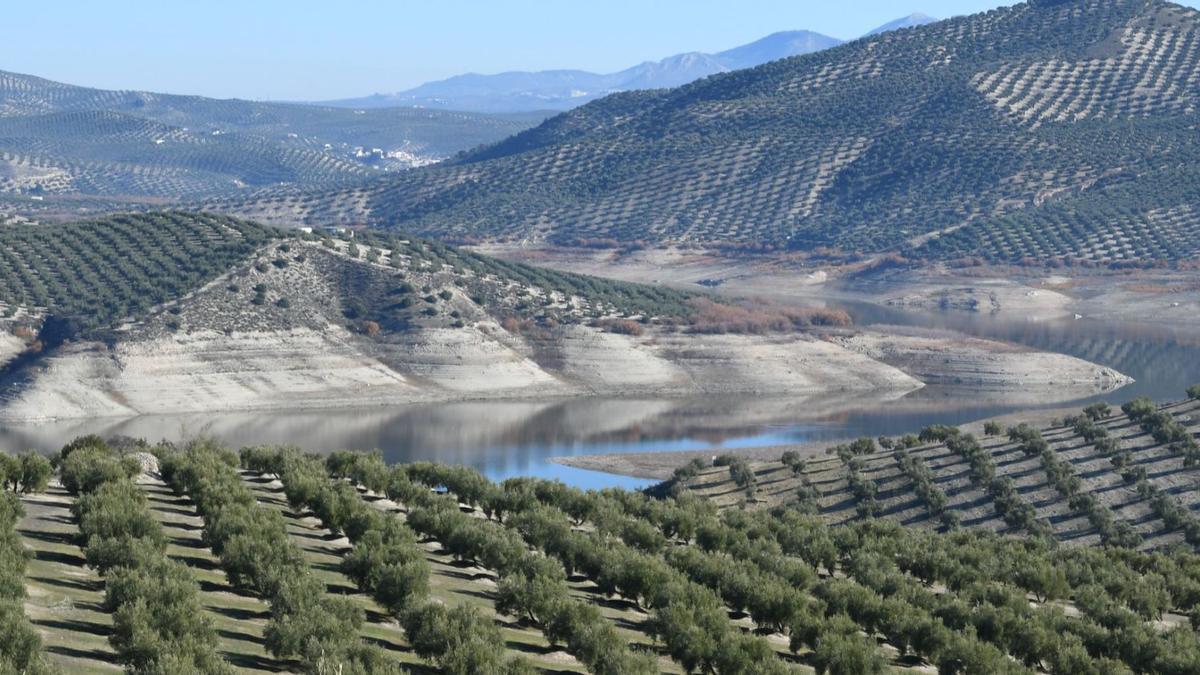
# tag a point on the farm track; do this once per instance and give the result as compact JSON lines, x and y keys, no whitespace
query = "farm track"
{"x":64,"y":596}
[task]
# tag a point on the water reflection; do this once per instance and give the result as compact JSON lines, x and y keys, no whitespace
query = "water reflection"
{"x":510,"y":438}
{"x":1163,"y":360}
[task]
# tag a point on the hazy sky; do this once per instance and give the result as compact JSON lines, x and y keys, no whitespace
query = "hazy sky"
{"x":302,"y":49}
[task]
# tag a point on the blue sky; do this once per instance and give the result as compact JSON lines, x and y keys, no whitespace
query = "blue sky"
{"x":301,"y":49}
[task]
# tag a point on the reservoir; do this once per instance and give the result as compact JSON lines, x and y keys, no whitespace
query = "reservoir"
{"x":511,"y":438}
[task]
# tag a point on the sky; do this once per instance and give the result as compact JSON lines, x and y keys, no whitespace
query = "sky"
{"x":320,"y":50}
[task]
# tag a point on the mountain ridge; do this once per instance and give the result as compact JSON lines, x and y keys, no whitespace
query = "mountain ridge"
{"x":562,"y":89}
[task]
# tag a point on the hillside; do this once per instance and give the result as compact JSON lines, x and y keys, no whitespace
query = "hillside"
{"x":268,"y":559}
{"x":1113,"y":477}
{"x":177,"y":312}
{"x":59,"y":140}
{"x":993,"y":135}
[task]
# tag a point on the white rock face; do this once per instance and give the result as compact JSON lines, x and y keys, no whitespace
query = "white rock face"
{"x":284,"y":333}
{"x":985,"y":366}
{"x":307,"y":369}
{"x":206,"y":372}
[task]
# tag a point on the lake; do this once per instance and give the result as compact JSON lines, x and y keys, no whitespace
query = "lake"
{"x":518,"y":438}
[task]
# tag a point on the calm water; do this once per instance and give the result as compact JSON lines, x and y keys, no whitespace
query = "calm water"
{"x":509,"y":438}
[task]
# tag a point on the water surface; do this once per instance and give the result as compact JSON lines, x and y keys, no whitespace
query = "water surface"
{"x":514,"y":438}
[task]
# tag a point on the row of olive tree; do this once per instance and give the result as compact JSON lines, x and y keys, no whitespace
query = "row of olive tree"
{"x":20,"y":644}
{"x":688,"y":618}
{"x":386,"y":563}
{"x":1062,"y":476}
{"x":158,"y":620}
{"x":928,"y":491}
{"x":253,"y":548}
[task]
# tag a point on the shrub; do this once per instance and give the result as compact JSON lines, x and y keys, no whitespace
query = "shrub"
{"x":690,"y":470}
{"x":792,"y":460}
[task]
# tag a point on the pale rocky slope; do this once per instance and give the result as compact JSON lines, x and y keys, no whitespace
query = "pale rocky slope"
{"x":1025,"y":375}
{"x":285,"y":331}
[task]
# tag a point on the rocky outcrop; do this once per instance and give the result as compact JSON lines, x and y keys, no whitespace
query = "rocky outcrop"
{"x":986,"y":366}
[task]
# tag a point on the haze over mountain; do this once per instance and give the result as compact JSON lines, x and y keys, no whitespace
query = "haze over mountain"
{"x":1048,"y":129}
{"x":910,"y":21}
{"x":566,"y":89}
{"x":60,"y":139}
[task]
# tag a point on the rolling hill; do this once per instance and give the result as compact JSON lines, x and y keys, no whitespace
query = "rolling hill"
{"x":1050,"y":129}
{"x":59,"y":140}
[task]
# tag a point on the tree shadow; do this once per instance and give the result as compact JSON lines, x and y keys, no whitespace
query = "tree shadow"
{"x":95,"y":585}
{"x":61,"y":558}
{"x":76,"y":653}
{"x":76,"y":625}
{"x":239,"y":613}
{"x":256,"y":662}
{"x":64,"y":538}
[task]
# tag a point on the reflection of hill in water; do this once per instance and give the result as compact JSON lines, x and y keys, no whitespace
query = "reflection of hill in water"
{"x":1163,"y":361}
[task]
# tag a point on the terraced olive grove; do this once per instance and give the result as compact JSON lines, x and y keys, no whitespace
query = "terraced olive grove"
{"x":1103,"y":477}
{"x":993,"y":135}
{"x":100,"y":271}
{"x":280,"y":560}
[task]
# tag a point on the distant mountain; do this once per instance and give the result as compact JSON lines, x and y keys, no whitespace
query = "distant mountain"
{"x":910,"y":21}
{"x":1049,"y":129}
{"x":60,"y":139}
{"x":773,"y":47}
{"x":565,"y":89}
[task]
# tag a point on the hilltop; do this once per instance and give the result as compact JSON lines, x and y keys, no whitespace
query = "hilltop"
{"x":565,"y":89}
{"x":180,"y":312}
{"x":990,"y":136}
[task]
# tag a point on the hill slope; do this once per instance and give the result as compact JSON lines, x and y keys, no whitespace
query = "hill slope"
{"x":646,"y":585}
{"x":1118,"y":478}
{"x":60,"y":139}
{"x":179,"y":312}
{"x":996,"y":131}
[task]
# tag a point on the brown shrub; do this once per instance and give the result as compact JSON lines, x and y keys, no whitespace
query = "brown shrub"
{"x":371,"y":328}
{"x":760,"y":317}
{"x":623,"y":327}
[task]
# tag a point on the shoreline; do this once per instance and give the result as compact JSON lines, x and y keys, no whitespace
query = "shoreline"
{"x":661,"y":465}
